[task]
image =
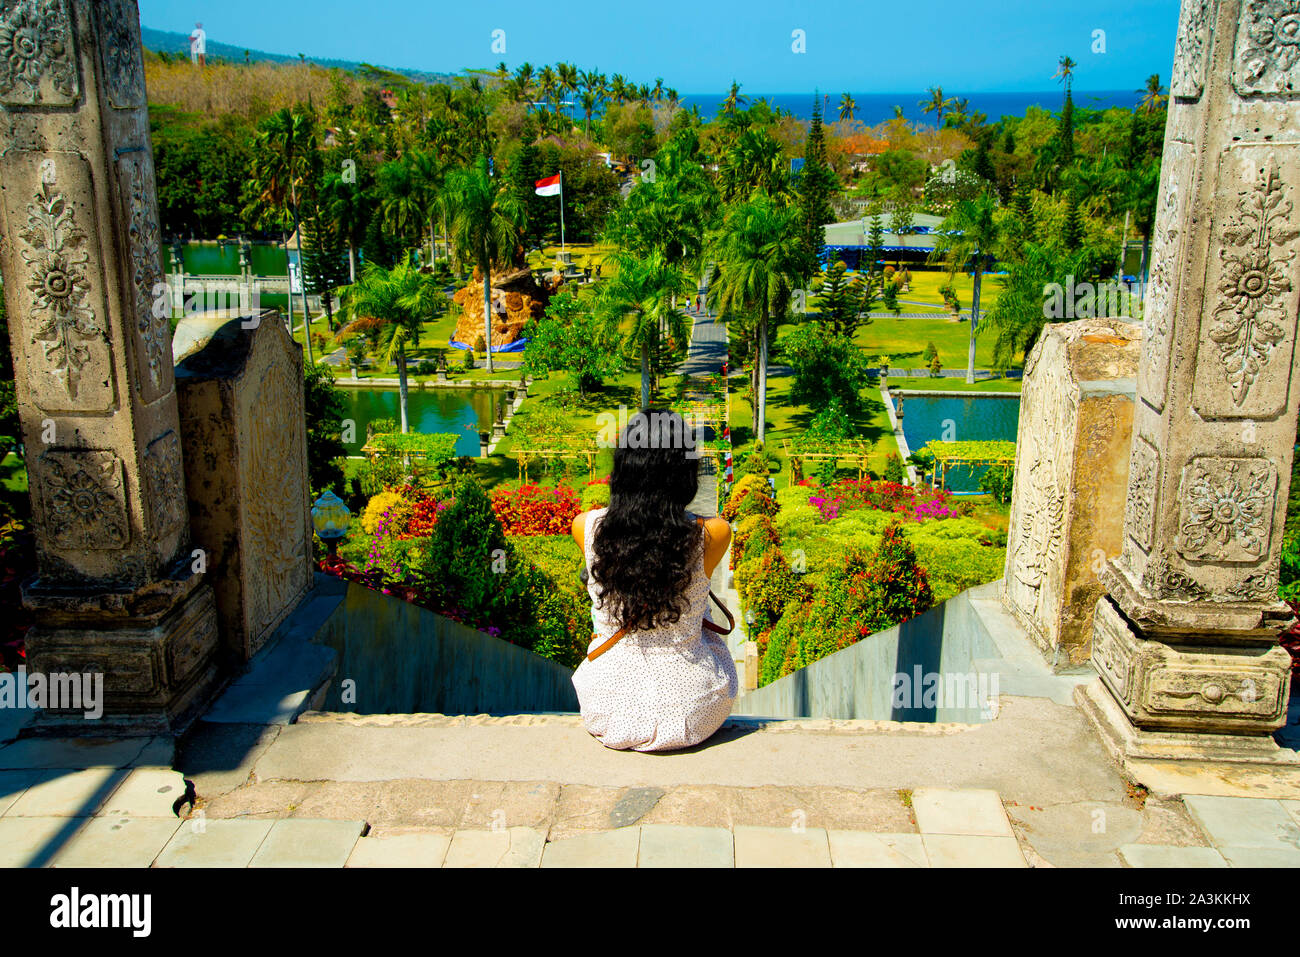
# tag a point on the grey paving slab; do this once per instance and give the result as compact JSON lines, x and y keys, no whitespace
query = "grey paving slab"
{"x":1244,"y":822}
{"x":303,"y":842}
{"x":14,"y":783}
{"x":76,"y":753}
{"x":13,"y":720}
{"x":401,"y":850}
{"x":68,"y":793}
{"x":972,"y":850}
{"x":968,"y":811}
{"x":508,"y":847}
{"x":216,"y":842}
{"x":616,"y":848}
{"x":33,"y":841}
{"x":1164,"y":855}
{"x":781,"y":847}
{"x":219,"y":757}
{"x":865,"y":849}
{"x":677,"y":845}
{"x":146,"y":792}
{"x":1260,"y":856}
{"x":117,"y":842}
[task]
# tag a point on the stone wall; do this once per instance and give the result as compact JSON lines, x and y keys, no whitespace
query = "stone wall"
{"x":1067,"y":506}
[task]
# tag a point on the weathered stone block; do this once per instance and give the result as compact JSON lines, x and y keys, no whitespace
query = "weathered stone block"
{"x":240,"y":394}
{"x":1072,"y":456}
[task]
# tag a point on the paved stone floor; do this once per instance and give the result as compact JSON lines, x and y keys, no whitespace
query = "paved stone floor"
{"x":331,"y":793}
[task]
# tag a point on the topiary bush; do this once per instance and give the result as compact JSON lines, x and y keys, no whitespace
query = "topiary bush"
{"x":894,"y":469}
{"x":766,"y":586}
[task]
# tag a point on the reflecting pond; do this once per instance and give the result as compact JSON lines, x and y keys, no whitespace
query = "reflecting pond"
{"x":963,"y":418}
{"x":464,"y":412}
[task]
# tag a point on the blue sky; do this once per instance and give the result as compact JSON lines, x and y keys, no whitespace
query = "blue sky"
{"x":970,"y":46}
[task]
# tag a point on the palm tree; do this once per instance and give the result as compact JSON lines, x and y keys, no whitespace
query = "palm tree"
{"x":393,"y":302}
{"x":642,"y":291}
{"x":548,"y":82}
{"x":345,"y":204}
{"x":734,"y":101}
{"x":284,"y":161}
{"x":848,"y":108}
{"x":754,"y":163}
{"x":568,"y":80}
{"x":486,"y":221}
{"x":1064,"y":71}
{"x":588,"y":100}
{"x":1155,"y":95}
{"x":408,"y":190}
{"x":970,"y":234}
{"x":936,"y":104}
{"x":523,"y":85}
{"x":618,"y":89}
{"x":758,"y":255}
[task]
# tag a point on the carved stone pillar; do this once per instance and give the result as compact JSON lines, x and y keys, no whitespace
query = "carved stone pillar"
{"x":80,"y":256}
{"x":1186,"y":639}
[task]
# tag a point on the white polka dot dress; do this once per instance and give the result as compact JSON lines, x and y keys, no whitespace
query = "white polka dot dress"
{"x":670,"y":687}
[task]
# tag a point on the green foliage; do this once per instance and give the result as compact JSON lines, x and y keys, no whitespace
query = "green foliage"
{"x":436,"y":448}
{"x":827,"y":367}
{"x":817,"y":184}
{"x":571,"y":338}
{"x":997,"y":480}
{"x":842,"y":301}
{"x":594,"y":496}
{"x":755,"y":463}
{"x":931,"y":351}
{"x":894,"y":469}
{"x":766,"y":586}
{"x":866,"y":592}
{"x":935,"y":367}
{"x":467,"y":554}
{"x":889,"y":297}
{"x":469,"y":359}
{"x":324,"y":408}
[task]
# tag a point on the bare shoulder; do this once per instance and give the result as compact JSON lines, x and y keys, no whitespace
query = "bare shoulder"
{"x":579,"y":526}
{"x":718,"y":529}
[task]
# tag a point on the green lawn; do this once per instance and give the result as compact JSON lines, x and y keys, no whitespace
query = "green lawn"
{"x":904,"y":340}
{"x":956,"y":385}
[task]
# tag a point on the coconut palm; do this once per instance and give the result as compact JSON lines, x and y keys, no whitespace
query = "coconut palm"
{"x":393,"y":303}
{"x":1064,"y":71}
{"x":734,"y":101}
{"x":758,"y":255}
{"x":285,"y":161}
{"x":754,"y":163}
{"x":486,"y":222}
{"x":848,"y":108}
{"x":408,"y":191}
{"x":638,"y":300}
{"x":1154,"y":95}
{"x":970,"y":234}
{"x":548,"y":83}
{"x":568,"y":80}
{"x":936,"y":104}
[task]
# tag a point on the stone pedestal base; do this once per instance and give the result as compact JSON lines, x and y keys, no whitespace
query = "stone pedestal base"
{"x":155,"y":647}
{"x":1177,"y":762}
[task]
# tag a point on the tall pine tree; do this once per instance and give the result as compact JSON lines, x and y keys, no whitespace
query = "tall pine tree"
{"x":817,"y":184}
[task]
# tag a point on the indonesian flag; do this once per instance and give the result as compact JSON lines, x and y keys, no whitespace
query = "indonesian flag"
{"x":549,"y":186}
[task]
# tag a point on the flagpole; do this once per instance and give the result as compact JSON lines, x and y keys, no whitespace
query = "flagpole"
{"x":562,"y":249}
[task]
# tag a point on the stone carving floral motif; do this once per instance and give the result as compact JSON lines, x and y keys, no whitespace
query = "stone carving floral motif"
{"x":1267,"y":53}
{"x":1249,"y":321}
{"x":36,"y":47}
{"x":83,"y":498}
{"x":1140,"y":508}
{"x":64,"y":323}
{"x":146,"y":274}
{"x":124,"y":70}
{"x":1226,"y":509}
{"x":1190,"y":50}
{"x":1162,"y":580}
{"x":165,"y":481}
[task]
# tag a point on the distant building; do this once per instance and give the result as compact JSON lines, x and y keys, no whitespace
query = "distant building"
{"x":848,"y":241}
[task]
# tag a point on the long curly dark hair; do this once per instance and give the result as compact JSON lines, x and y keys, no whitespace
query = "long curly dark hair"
{"x":645,"y":547}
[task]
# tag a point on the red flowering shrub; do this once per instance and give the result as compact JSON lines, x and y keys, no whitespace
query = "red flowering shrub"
{"x":534,"y":510}
{"x":870,"y":593}
{"x":913,"y":503}
{"x":749,"y":501}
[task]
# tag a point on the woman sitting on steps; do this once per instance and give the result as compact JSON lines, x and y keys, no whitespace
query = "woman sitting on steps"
{"x":657,"y":675}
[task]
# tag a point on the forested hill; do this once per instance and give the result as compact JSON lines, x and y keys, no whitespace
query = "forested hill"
{"x":166,"y":41}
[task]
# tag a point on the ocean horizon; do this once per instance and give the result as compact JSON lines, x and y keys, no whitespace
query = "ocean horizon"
{"x":873,"y":108}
